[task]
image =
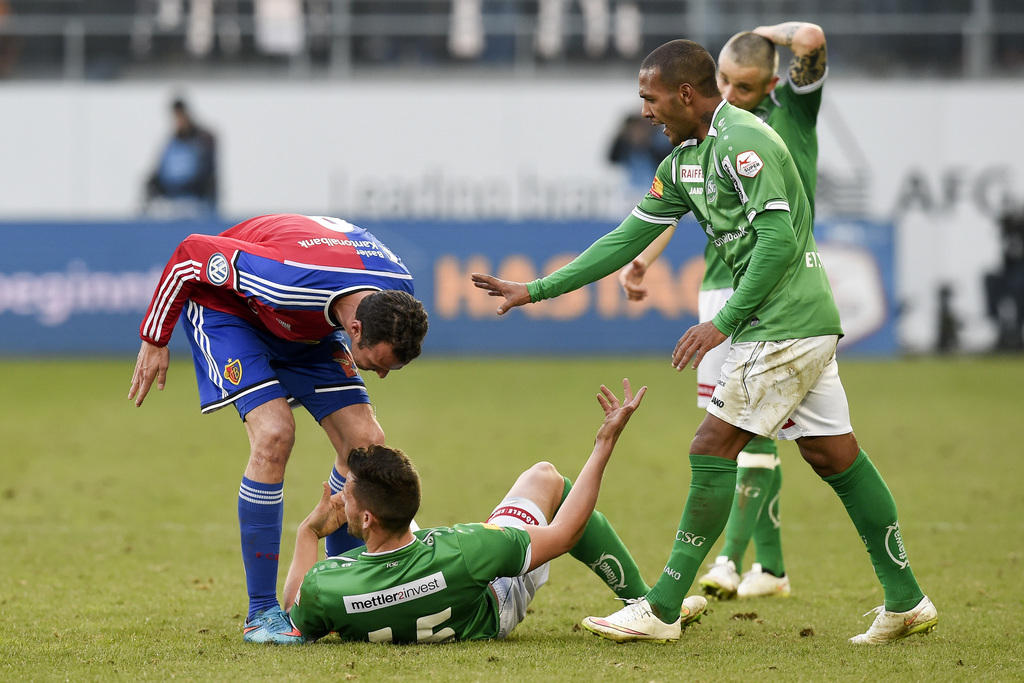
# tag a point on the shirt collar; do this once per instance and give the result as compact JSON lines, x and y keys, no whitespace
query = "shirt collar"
{"x":712,"y":130}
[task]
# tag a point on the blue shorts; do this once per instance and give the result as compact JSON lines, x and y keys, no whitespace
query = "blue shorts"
{"x":238,"y":363}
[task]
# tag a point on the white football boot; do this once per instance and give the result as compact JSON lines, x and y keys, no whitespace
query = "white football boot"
{"x":636,"y":621}
{"x":892,"y":626}
{"x":722,"y":580}
{"x":758,"y":583}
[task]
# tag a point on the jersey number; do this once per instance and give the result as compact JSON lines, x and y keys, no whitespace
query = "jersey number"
{"x":424,"y":629}
{"x":332,"y":223}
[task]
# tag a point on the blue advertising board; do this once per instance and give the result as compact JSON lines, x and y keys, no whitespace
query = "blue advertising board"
{"x":81,"y":287}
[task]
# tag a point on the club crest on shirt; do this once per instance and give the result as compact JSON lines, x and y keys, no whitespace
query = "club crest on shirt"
{"x":657,"y":187}
{"x":233,"y":371}
{"x":711,"y":189}
{"x":748,"y":164}
{"x":343,"y":357}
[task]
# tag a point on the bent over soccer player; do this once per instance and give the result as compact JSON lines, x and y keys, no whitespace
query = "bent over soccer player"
{"x":747,"y":79}
{"x":781,"y":376}
{"x":266,"y":303}
{"x":467,"y":582}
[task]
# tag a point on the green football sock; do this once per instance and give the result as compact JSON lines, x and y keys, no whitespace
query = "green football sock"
{"x":873,"y":511}
{"x":712,"y":486}
{"x":601,"y":549}
{"x":755,"y":472}
{"x":768,"y":531}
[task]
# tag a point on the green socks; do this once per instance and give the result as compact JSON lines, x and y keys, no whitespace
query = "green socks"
{"x":712,"y":486}
{"x":601,"y":549}
{"x":873,"y":511}
{"x":757,"y":485}
{"x":768,"y":531}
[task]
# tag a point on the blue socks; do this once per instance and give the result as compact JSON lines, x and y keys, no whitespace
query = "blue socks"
{"x":260,"y":515}
{"x":340,"y":540}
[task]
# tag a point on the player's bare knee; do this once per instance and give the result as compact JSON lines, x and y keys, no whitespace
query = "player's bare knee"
{"x":273,"y":442}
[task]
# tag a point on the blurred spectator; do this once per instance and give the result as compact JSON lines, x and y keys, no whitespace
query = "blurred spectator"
{"x":1005,"y":289}
{"x":8,"y":43}
{"x":639,"y":147}
{"x":185,"y":179}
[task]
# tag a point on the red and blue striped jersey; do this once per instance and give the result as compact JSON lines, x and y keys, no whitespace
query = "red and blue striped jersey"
{"x":280,"y":272}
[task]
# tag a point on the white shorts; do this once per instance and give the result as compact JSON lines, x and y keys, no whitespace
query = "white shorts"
{"x":709,"y":303}
{"x":787,"y":388}
{"x":514,"y":593}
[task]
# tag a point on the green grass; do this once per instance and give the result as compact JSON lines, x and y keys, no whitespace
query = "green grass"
{"x":120,"y":544}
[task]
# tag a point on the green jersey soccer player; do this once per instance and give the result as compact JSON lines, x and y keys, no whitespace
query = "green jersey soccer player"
{"x":780,"y":376}
{"x":747,"y":79}
{"x":466,"y":582}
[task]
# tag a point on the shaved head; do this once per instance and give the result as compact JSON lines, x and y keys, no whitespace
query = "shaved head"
{"x":683,"y":61}
{"x":748,"y":49}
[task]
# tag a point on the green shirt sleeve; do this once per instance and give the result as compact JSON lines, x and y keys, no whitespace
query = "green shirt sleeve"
{"x":661,"y":208}
{"x":306,"y":613}
{"x":773,"y":252}
{"x":491,"y":551}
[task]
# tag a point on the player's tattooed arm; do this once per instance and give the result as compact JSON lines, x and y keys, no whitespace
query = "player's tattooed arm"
{"x":807,"y":42}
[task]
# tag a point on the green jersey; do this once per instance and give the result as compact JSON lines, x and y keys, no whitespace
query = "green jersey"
{"x":743,"y":187}
{"x":432,"y":590}
{"x":792,"y":112}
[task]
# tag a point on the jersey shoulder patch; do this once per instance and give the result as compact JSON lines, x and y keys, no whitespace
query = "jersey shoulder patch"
{"x":748,"y":164}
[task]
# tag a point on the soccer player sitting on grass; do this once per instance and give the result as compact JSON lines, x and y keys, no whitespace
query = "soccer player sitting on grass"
{"x":467,"y":582}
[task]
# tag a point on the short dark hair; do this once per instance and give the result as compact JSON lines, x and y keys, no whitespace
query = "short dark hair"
{"x":395,"y":317}
{"x":386,"y":484}
{"x":750,"y":49}
{"x":684,"y":61}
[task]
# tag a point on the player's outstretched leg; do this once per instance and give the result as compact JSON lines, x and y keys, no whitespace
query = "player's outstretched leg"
{"x":341,"y":540}
{"x":601,"y":549}
{"x":872,"y":508}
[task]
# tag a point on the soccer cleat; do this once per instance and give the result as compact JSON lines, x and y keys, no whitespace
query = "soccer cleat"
{"x":636,"y":621}
{"x":889,"y":627}
{"x":722,"y":580}
{"x":272,"y":626}
{"x":758,"y":583}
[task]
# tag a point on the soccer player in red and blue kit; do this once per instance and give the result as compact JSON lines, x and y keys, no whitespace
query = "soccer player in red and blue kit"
{"x":266,"y":305}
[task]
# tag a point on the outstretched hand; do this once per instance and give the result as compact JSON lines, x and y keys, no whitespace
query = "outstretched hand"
{"x":515,"y":293}
{"x":631,"y":277}
{"x":617,"y":414}
{"x":328,"y":515}
{"x":150,"y":365}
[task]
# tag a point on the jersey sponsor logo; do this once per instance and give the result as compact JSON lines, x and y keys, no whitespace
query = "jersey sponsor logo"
{"x":717,"y":401}
{"x":406,"y":592}
{"x":711,"y":189}
{"x":748,"y":164}
{"x":730,"y":237}
{"x":691,"y":173}
{"x":233,"y":371}
{"x":335,"y":242}
{"x":696,"y":190}
{"x":657,"y":187}
{"x":217,"y":269}
{"x":894,"y":545}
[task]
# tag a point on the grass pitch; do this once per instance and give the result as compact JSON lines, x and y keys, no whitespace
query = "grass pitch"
{"x":120,"y":544}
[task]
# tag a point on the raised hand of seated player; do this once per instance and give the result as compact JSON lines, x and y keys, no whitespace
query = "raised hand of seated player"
{"x":328,"y":515}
